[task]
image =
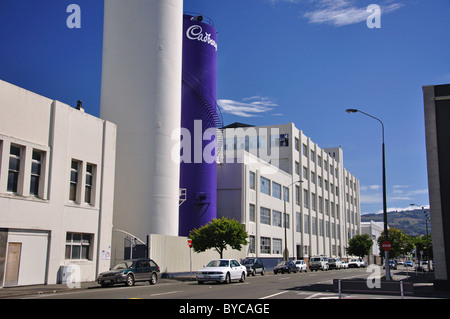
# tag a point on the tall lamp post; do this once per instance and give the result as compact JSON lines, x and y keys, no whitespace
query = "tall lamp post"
{"x":386,"y":252}
{"x":286,"y":252}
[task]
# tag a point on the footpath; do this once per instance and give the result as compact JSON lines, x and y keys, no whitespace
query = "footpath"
{"x":422,"y":283}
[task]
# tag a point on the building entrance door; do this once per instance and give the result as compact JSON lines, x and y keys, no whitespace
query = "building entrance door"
{"x":13,"y":264}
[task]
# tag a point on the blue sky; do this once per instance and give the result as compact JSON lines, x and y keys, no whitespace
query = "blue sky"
{"x":279,"y":61}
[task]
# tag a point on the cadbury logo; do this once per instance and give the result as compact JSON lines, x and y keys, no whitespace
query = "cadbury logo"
{"x":195,"y":32}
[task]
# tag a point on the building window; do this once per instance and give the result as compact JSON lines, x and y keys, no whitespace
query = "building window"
{"x":313,"y":201}
{"x":286,"y":220}
{"x":265,"y":245}
{"x":297,"y":195}
{"x":276,"y":218}
{"x":276,"y":190}
{"x":298,"y":222}
{"x":305,"y":198}
{"x":297,"y":142}
{"x":14,"y":168}
{"x":252,"y":212}
{"x":297,"y":168}
{"x":252,"y":178}
{"x":265,"y":216}
{"x":305,"y":150}
{"x":265,"y":185}
{"x":276,"y":250}
{"x":305,"y":173}
{"x":36,"y":164}
{"x":314,"y":225}
{"x":88,"y":191}
{"x":74,"y":169}
{"x":306,"y":224}
{"x":286,"y":194}
{"x":251,"y":245}
{"x":78,"y":246}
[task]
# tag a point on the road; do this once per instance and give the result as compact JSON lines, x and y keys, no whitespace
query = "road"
{"x":310,"y":285}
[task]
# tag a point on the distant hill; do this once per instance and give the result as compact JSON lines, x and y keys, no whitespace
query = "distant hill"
{"x":410,"y":222}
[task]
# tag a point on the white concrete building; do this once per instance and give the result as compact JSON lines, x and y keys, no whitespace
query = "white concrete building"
{"x":56,"y":190}
{"x":374,"y":230}
{"x":323,"y":211}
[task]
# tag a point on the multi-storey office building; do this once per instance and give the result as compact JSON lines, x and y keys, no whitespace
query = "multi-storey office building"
{"x":56,"y":190}
{"x":272,"y":172}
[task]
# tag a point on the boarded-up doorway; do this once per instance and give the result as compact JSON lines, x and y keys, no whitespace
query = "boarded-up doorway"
{"x":13,"y":264}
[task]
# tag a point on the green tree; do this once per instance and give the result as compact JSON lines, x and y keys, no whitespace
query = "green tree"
{"x":400,"y":243}
{"x":359,"y":245}
{"x":218,"y":234}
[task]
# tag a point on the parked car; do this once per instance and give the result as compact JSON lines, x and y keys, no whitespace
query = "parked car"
{"x":254,"y":266}
{"x":392,"y":265}
{"x":362,"y":263}
{"x":285,"y":266}
{"x":129,"y":271}
{"x":408,"y":263}
{"x":318,"y":262}
{"x":344,"y":264}
{"x":222,"y":270}
{"x":301,"y":265}
{"x":335,"y":263}
{"x":354,"y":263}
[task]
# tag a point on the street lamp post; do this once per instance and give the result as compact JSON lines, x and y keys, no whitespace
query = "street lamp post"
{"x":386,"y":252}
{"x":286,"y":252}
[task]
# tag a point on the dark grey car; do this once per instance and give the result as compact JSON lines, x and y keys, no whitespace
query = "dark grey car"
{"x":129,"y":271}
{"x":254,"y":266}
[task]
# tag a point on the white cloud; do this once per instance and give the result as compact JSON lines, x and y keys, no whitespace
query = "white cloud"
{"x":248,"y":107}
{"x":342,"y":12}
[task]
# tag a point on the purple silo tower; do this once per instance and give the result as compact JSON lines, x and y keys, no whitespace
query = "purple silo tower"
{"x":198,"y":174}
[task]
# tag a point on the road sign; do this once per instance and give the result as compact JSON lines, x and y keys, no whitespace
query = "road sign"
{"x":386,"y":245}
{"x":190,"y":243}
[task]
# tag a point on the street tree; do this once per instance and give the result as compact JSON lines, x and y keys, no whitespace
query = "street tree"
{"x":218,"y":234}
{"x":359,"y":245}
{"x":400,"y":243}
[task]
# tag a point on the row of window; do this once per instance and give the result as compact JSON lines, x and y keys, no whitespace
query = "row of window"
{"x":310,"y":199}
{"x":278,"y":219}
{"x":17,"y":169}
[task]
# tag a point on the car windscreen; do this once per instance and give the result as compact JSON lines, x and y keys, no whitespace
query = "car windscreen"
{"x":122,"y":265}
{"x":218,"y":263}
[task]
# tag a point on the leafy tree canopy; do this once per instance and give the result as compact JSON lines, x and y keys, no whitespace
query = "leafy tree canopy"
{"x":218,"y":234}
{"x":359,"y":245}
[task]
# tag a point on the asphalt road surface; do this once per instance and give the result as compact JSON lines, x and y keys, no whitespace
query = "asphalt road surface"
{"x":310,"y":285}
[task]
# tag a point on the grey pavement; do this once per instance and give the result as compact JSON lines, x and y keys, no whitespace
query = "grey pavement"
{"x":422,"y":282}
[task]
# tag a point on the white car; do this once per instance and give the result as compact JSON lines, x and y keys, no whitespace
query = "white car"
{"x":222,"y":270}
{"x":344,"y":264}
{"x":354,"y":263}
{"x":301,"y":265}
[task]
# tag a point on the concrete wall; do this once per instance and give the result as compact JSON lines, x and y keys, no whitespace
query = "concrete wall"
{"x":173,"y":254}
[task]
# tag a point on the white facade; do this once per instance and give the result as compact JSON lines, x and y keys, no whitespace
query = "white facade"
{"x":141,"y":93}
{"x":56,"y":189}
{"x":323,"y":210}
{"x":374,"y":230}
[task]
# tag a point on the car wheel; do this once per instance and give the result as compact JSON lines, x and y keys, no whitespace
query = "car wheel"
{"x":130,"y":280}
{"x":254,"y":272}
{"x":227,"y":278}
{"x":242,"y":277}
{"x":200,"y":282}
{"x":153,"y":279}
{"x":263,"y":271}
